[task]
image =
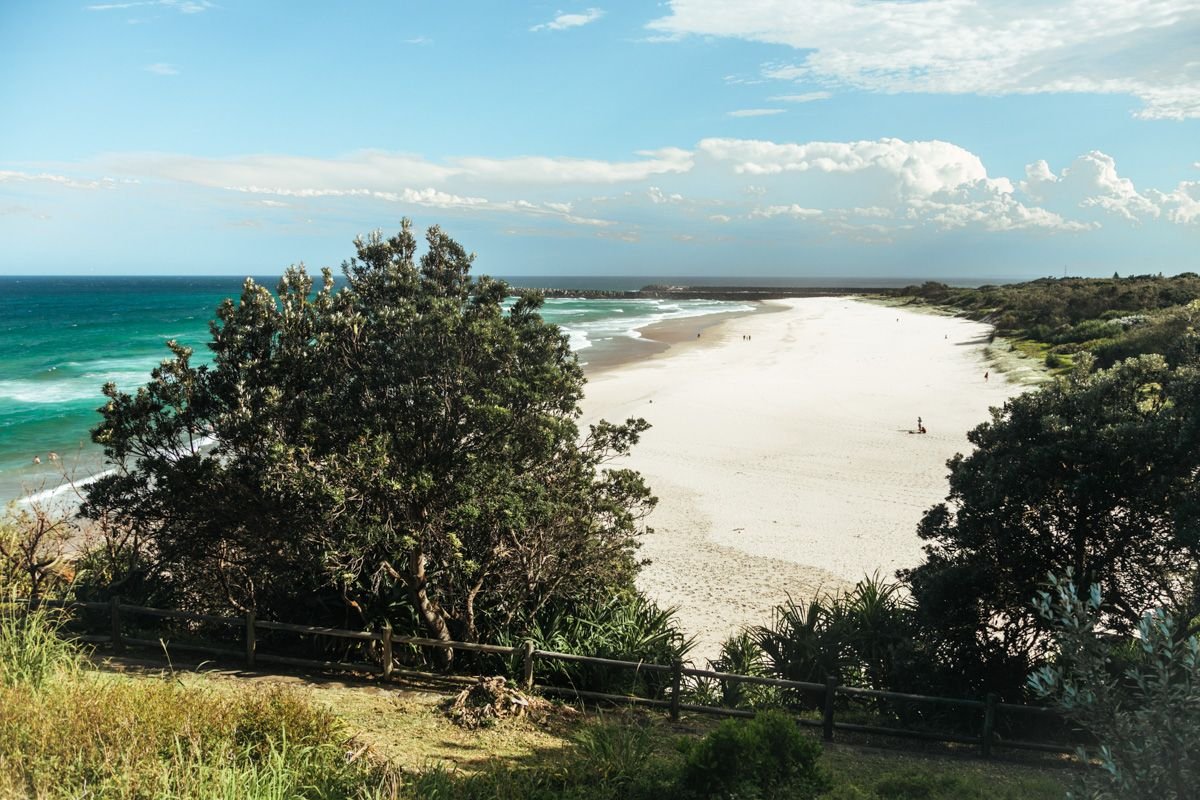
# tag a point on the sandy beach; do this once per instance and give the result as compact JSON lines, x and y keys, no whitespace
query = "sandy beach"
{"x":782,"y":449}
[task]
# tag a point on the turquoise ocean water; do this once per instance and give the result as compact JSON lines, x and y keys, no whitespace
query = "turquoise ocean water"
{"x":62,"y":338}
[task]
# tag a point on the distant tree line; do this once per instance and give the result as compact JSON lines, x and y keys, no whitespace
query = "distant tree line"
{"x":1111,"y":318}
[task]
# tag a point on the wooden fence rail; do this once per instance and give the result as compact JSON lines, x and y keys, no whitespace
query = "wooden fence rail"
{"x":829,"y":691}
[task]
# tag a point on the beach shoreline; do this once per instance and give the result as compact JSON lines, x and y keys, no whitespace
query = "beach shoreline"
{"x":784,"y":453}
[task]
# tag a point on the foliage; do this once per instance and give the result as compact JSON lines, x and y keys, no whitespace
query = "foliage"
{"x":66,"y":731}
{"x":31,"y":651}
{"x":740,"y":655}
{"x":766,"y":757}
{"x":856,"y":636}
{"x":405,"y":447}
{"x":1113,"y":318}
{"x":626,"y":627}
{"x":913,"y":783}
{"x":1146,"y":716}
{"x":33,"y":542}
{"x":1097,"y":473}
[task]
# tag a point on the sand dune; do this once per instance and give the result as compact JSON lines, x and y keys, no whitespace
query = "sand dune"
{"x":785,"y":462}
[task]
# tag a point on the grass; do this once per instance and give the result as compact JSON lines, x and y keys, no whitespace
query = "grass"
{"x":69,"y":730}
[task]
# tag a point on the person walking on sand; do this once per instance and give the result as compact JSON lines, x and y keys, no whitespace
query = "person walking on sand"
{"x":985,"y":377}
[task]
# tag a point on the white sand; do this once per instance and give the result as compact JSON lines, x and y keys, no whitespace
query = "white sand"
{"x":786,"y":463}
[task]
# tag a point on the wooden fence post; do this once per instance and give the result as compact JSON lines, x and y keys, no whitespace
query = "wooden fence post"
{"x":527,"y":665}
{"x":386,"y":640}
{"x":251,"y":640}
{"x":831,"y":683}
{"x":114,"y":613}
{"x":676,"y":687}
{"x":989,"y":725}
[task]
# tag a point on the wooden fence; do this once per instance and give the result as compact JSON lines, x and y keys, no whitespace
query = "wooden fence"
{"x":990,"y":709}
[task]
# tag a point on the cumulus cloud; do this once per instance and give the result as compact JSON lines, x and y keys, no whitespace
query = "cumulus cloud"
{"x":915,"y":168}
{"x":1090,"y":182}
{"x":1145,"y":48}
{"x":1182,"y":205}
{"x":867,"y":189}
{"x":565,"y":21}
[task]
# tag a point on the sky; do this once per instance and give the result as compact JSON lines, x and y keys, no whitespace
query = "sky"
{"x":816,"y":138}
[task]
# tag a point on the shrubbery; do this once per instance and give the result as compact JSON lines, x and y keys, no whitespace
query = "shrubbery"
{"x":1143,"y":707}
{"x":767,"y":757}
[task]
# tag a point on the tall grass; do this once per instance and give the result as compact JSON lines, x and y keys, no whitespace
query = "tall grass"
{"x":67,"y":731}
{"x":31,"y":650}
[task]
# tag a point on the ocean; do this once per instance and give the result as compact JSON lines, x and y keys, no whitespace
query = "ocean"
{"x":62,"y":338}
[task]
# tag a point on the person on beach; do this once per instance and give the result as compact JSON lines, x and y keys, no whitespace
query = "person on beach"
{"x":985,"y":377}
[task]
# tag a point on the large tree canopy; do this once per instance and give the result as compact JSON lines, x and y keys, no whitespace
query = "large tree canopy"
{"x":1096,"y":473}
{"x":404,"y":445}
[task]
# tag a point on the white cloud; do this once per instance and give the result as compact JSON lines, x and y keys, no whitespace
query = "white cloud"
{"x":755,"y":112}
{"x":807,"y":97}
{"x":11,"y":176}
{"x":914,"y":168}
{"x":161,"y":68}
{"x":792,"y":210}
{"x":1090,"y":182}
{"x":1182,"y":206}
{"x":658,"y":196}
{"x":549,"y":170}
{"x":421,"y":197}
{"x":1145,"y":48}
{"x":182,"y":6}
{"x":869,"y":188}
{"x":564,"y":21}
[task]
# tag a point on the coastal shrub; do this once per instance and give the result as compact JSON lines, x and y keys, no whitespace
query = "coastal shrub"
{"x":740,"y":655}
{"x":1097,"y":472}
{"x":861,"y":636}
{"x":412,"y":436}
{"x":627,"y":627}
{"x":766,"y":757}
{"x":1145,"y":715}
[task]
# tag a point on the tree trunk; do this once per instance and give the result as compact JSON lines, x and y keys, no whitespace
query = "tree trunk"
{"x":431,"y":615}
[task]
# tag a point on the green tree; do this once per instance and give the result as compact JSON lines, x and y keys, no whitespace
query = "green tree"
{"x":1096,"y":473}
{"x":406,"y":445}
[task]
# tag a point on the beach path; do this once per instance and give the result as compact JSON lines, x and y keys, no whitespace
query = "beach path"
{"x":784,"y":454}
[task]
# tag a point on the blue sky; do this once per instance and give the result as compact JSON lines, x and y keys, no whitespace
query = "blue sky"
{"x":922,"y":138}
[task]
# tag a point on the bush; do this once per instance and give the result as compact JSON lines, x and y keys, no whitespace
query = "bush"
{"x":859,"y":636}
{"x":1147,"y":717}
{"x":767,"y":757}
{"x":740,"y":655}
{"x":629,"y":627}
